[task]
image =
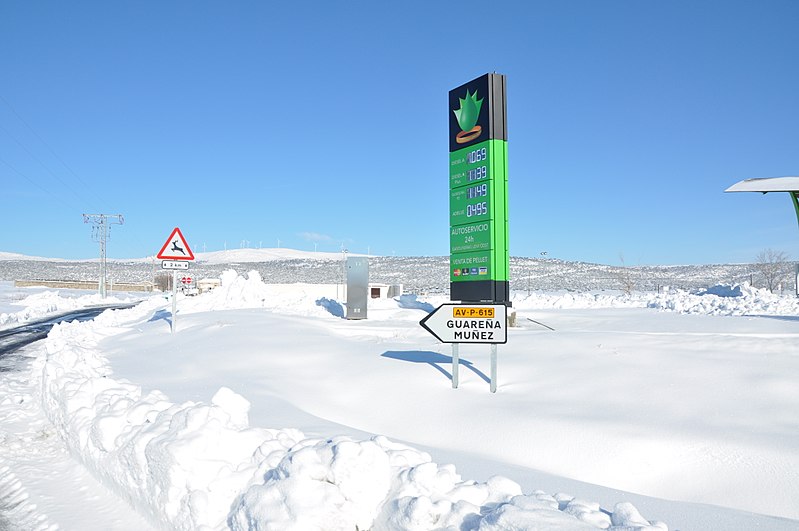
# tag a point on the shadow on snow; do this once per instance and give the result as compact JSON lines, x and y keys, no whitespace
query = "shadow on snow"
{"x":433,"y":359}
{"x":162,"y":315}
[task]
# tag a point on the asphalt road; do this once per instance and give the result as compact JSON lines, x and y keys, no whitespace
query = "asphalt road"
{"x":12,"y":339}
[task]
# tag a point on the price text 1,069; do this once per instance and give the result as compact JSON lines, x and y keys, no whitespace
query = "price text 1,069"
{"x":477,"y":155}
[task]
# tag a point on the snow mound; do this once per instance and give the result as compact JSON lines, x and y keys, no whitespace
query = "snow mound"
{"x":572,"y":300}
{"x":202,"y":466}
{"x":41,"y":304}
{"x":726,"y":300}
{"x":717,"y":300}
{"x":250,"y":291}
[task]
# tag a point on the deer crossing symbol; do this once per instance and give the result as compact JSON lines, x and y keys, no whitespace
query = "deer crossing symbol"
{"x":176,"y":248}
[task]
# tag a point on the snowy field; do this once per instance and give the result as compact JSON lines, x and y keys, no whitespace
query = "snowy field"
{"x":266,"y":410}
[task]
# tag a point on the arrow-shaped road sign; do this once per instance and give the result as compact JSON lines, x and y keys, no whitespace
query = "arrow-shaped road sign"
{"x":468,"y":323}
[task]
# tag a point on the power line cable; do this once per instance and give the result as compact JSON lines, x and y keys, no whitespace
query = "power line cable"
{"x":85,"y":186}
{"x":37,"y":159}
{"x":50,"y":149}
{"x":36,"y":184}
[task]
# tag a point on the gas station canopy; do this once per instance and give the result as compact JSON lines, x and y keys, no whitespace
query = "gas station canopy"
{"x":766,"y":184}
{"x":771,"y":184}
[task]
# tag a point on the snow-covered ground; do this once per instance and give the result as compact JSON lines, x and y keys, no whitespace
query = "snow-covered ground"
{"x":266,"y":410}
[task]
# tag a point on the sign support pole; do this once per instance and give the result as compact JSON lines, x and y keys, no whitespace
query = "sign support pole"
{"x":455,"y":363}
{"x":493,"y":367}
{"x":174,"y":299}
{"x":176,"y":254}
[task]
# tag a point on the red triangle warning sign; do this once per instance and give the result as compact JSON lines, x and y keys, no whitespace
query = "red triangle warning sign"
{"x":176,"y":248}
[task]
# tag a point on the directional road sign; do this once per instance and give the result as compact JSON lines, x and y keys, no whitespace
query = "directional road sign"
{"x":468,"y":323}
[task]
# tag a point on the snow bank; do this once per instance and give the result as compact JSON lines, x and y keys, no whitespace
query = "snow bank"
{"x":717,"y":300}
{"x":41,"y":304}
{"x":546,"y":300}
{"x":249,"y":291}
{"x":726,"y":300}
{"x":201,"y":466}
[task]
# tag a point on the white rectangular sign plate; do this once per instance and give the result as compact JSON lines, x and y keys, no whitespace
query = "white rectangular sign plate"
{"x":174,"y":264}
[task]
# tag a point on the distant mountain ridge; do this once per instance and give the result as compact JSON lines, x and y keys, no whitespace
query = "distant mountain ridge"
{"x":215,"y":257}
{"x":420,"y":274}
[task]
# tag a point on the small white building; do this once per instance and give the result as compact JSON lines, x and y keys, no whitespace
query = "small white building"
{"x":207,"y":284}
{"x":384,"y":291}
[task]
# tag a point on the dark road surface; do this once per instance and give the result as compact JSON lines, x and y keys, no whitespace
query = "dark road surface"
{"x":12,"y":339}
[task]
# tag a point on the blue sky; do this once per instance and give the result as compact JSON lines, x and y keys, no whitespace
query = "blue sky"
{"x":322,"y":124}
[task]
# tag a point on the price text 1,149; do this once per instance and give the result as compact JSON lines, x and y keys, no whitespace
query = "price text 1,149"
{"x":481,"y":190}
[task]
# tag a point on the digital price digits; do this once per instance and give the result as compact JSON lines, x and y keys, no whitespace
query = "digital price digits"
{"x":481,"y":190}
{"x":475,"y":174}
{"x":477,"y":209}
{"x":477,"y":155}
{"x":480,"y":172}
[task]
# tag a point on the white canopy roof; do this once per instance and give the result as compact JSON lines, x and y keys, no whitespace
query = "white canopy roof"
{"x":766,"y":184}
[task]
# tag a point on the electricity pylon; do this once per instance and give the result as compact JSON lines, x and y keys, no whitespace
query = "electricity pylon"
{"x":101,"y":233}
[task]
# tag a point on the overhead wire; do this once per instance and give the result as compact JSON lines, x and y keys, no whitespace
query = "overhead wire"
{"x":37,"y":159}
{"x":85,"y":187}
{"x":33,"y":182}
{"x":83,"y":183}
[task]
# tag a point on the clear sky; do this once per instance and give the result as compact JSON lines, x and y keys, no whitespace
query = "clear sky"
{"x":322,"y":124}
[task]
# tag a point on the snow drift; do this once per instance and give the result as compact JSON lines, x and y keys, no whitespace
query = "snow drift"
{"x":202,"y":466}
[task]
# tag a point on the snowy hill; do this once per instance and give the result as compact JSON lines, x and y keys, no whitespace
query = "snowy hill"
{"x":16,"y":256}
{"x":420,"y":274}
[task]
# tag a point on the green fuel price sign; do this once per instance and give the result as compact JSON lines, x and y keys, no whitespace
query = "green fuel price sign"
{"x":478,"y":201}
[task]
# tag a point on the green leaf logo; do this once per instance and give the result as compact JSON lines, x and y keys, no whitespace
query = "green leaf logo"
{"x":469,"y":112}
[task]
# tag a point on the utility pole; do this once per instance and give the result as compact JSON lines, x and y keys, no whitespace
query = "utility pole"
{"x":100,"y":233}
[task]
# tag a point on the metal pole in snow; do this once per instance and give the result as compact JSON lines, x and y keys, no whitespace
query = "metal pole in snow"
{"x":493,"y":367}
{"x":455,"y":362}
{"x":174,"y":299}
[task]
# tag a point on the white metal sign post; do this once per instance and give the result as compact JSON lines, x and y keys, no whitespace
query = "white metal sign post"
{"x":469,"y":323}
{"x":176,"y":255}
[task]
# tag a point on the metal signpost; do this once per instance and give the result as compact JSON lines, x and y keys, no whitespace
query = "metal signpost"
{"x":176,"y":255}
{"x":469,"y":323}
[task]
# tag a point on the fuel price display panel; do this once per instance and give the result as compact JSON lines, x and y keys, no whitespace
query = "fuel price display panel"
{"x":478,"y":191}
